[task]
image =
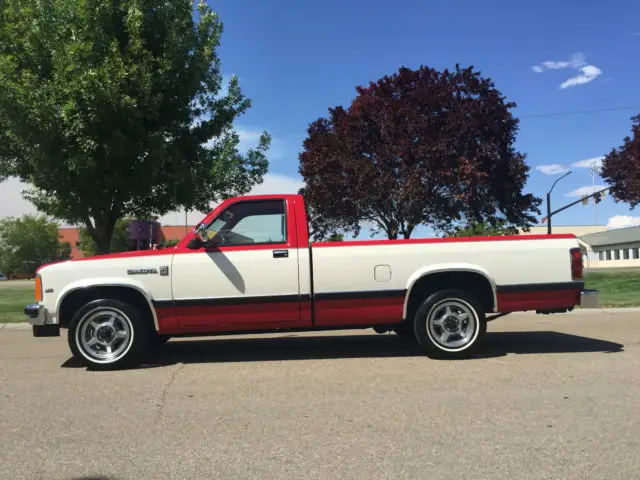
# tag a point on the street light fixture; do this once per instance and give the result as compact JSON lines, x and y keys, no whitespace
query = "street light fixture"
{"x":549,"y":202}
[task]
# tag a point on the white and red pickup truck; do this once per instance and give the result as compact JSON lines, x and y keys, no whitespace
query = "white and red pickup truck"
{"x":249,"y":267}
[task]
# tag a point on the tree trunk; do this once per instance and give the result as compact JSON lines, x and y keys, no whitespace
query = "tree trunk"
{"x":407,"y":230}
{"x":102,"y":232}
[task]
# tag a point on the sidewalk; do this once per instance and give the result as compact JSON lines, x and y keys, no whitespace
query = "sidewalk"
{"x":15,"y":326}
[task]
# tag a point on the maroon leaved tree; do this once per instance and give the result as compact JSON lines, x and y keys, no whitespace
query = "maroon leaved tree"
{"x":621,"y":168}
{"x":417,"y":147}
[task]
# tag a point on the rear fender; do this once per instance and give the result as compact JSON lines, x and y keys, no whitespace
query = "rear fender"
{"x":448,"y":268}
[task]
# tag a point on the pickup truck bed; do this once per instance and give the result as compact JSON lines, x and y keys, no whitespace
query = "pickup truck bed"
{"x":249,"y":266}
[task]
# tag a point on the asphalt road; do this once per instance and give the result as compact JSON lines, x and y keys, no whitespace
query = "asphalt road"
{"x":554,"y":397}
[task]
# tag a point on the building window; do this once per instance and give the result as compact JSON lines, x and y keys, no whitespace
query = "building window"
{"x":608,"y":254}
{"x":616,"y":254}
{"x":601,"y":255}
{"x":635,"y":252}
{"x":625,"y":254}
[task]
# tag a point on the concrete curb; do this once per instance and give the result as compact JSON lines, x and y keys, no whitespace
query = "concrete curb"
{"x":15,"y":326}
{"x":589,"y":311}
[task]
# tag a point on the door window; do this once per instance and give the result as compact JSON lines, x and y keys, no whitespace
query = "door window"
{"x":256,"y":222}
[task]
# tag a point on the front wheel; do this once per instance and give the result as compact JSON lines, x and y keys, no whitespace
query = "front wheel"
{"x":449,"y":324}
{"x":108,"y":334}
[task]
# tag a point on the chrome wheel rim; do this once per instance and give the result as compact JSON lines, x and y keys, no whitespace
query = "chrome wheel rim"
{"x":104,"y":335}
{"x":452,"y":324}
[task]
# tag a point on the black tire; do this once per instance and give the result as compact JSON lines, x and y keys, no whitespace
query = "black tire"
{"x":432,"y":337}
{"x":116,"y":319}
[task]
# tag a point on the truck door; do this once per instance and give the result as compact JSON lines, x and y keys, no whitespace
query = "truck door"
{"x":246,"y":275}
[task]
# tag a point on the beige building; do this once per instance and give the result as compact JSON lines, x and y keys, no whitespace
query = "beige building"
{"x":612,"y":248}
{"x":601,"y":248}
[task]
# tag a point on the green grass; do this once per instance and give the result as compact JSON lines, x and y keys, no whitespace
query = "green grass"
{"x":14,"y":295}
{"x":617,"y":289}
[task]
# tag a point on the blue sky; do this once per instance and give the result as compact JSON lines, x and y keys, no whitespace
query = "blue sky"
{"x":295,"y":59}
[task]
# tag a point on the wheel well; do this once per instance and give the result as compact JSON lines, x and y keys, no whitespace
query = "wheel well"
{"x":473,"y":283}
{"x":77,"y":298}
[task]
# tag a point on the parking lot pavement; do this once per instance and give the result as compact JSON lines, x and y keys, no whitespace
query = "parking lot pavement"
{"x":552,"y":397}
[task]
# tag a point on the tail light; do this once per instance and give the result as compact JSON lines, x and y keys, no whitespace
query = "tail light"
{"x":38,"y":288}
{"x":576,"y":263}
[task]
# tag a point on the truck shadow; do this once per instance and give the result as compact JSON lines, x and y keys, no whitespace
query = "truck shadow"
{"x":293,"y":347}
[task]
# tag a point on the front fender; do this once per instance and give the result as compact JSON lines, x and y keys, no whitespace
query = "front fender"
{"x":106,"y":282}
{"x":447,"y":267}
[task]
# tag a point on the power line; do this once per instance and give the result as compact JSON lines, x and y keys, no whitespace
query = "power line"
{"x":521,"y":117}
{"x":580,"y":112}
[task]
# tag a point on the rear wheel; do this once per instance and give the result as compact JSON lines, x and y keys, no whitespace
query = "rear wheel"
{"x":108,"y":334}
{"x":449,"y":324}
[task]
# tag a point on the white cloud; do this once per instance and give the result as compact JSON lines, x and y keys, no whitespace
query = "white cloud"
{"x":579,"y":192}
{"x":13,"y":205}
{"x":589,"y":163}
{"x":553,"y":169}
{"x":11,"y":202}
{"x":556,"y":168}
{"x":589,"y":73}
{"x":249,"y":137}
{"x":623,"y":221}
{"x":273,"y":183}
{"x":278,"y":183}
{"x":578,"y":62}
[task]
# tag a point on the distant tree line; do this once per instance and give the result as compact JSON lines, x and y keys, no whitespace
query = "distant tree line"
{"x":27,"y":243}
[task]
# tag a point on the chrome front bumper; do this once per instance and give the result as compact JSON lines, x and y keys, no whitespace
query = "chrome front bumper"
{"x":590,"y":299}
{"x":36,"y":314}
{"x":37,"y":317}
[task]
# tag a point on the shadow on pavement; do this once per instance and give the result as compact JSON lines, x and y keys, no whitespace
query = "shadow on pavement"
{"x":292,"y":347}
{"x":501,"y":343}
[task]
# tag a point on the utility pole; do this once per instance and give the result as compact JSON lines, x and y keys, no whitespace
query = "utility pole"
{"x":549,"y":202}
{"x":594,"y":169}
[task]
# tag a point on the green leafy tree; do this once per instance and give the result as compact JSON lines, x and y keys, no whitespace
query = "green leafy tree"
{"x":336,"y":237}
{"x":28,"y":242}
{"x":115,"y":108}
{"x":119,"y":239}
{"x":170,"y":243}
{"x":484,"y":229}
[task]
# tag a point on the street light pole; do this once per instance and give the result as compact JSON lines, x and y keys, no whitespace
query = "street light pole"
{"x":549,"y":202}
